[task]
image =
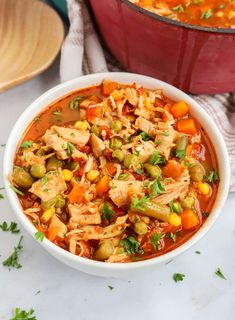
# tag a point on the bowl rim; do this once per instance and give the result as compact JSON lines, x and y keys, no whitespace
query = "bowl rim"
{"x":178,"y":23}
{"x":56,"y":93}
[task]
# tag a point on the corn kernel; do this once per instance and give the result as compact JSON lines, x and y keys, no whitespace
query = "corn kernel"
{"x":80,"y":125}
{"x":92,"y":175}
{"x":47,"y":215}
{"x":219,"y":14}
{"x":204,"y":188}
{"x":175,"y":220}
{"x":67,"y":174}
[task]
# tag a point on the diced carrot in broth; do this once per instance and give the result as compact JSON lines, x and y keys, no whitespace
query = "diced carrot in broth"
{"x":111,"y":167}
{"x":189,"y":219}
{"x":187,"y":126}
{"x":179,"y":109}
{"x":103,"y":185}
{"x":172,"y":169}
{"x":108,"y":87}
{"x":76,"y":195}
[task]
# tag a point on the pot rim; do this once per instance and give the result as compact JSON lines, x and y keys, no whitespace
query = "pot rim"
{"x":178,"y":23}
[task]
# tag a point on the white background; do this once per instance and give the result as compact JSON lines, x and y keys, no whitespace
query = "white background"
{"x":66,"y":294}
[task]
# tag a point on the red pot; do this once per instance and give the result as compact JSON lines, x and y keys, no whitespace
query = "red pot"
{"x":193,"y":58}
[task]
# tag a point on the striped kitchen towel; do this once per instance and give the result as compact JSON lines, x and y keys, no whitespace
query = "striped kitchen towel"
{"x":82,"y":53}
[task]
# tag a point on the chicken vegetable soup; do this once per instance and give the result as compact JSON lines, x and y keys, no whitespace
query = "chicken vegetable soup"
{"x":116,"y":173}
{"x":208,"y":13}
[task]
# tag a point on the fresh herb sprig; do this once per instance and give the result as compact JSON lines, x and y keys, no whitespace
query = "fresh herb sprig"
{"x":12,"y":260}
{"x":12,"y":227}
{"x":106,"y":212}
{"x":131,"y":245}
{"x":23,"y":315}
{"x":156,"y":158}
{"x":178,"y":277}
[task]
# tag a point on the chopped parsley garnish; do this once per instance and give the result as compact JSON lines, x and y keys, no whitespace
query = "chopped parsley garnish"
{"x":37,"y":119}
{"x":70,"y":148}
{"x":139,"y":171}
{"x":219,"y":273}
{"x":26,"y":144}
{"x":140,"y":203}
{"x":181,"y":154}
{"x":156,"y":158}
{"x":12,"y":260}
{"x":155,"y":241}
{"x":57,"y":112}
{"x":23,"y":315}
{"x":12,"y":227}
{"x":44,"y":180}
{"x":145,"y":136}
{"x":178,"y":8}
{"x":110,"y":287}
{"x":156,"y":188}
{"x":178,"y":277}
{"x":131,"y":246}
{"x":171,"y":236}
{"x":106,"y":212}
{"x":206,"y":15}
{"x":212,"y":176}
{"x":16,"y":190}
{"x":74,"y":104}
{"x":39,"y":236}
{"x":205,"y":214}
{"x":187,"y":164}
{"x":166,"y":134}
{"x":123,"y":176}
{"x":197,"y":252}
{"x":175,"y":207}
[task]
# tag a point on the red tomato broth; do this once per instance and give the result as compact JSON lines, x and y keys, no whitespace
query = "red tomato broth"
{"x":208,"y":13}
{"x":67,"y":117}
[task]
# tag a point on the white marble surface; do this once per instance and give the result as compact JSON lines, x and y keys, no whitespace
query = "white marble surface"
{"x":66,"y":294}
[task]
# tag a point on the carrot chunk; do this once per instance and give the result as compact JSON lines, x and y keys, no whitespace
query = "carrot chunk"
{"x":187,"y":126}
{"x":189,"y":219}
{"x":103,"y":185}
{"x":172,"y":169}
{"x":108,"y":87}
{"x":76,"y":195}
{"x":179,"y":109}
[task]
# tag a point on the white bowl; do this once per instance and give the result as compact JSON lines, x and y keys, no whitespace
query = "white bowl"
{"x":116,"y":269}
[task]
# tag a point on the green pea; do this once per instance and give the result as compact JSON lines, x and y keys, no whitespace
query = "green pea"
{"x":118,"y":155}
{"x":38,"y":171}
{"x":116,"y":126}
{"x":105,"y":250}
{"x":197,"y":172}
{"x":60,"y":201}
{"x":115,"y":143}
{"x":140,"y":227}
{"x":188,"y":202}
{"x":130,"y":160}
{"x":22,"y":178}
{"x":153,"y":171}
{"x":182,"y":143}
{"x":96,"y":130}
{"x":53,"y":164}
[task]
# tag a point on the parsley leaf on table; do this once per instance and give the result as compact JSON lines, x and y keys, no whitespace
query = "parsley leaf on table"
{"x":23,"y":315}
{"x":12,"y":260}
{"x":219,"y":273}
{"x":178,"y":277}
{"x":12,"y":227}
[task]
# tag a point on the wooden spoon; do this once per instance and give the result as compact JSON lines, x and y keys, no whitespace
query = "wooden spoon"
{"x":31,"y":34}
